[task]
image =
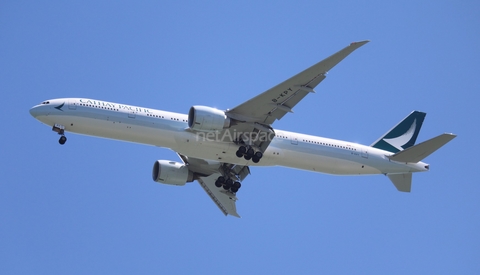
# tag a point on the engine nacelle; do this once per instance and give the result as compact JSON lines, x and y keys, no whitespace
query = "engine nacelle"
{"x":171,"y":172}
{"x":207,"y":119}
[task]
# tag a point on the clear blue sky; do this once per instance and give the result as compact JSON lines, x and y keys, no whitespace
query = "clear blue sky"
{"x":90,"y":207}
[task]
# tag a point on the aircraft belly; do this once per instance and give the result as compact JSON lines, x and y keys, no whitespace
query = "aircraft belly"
{"x":328,"y":163}
{"x":116,"y":129}
{"x":189,"y":144}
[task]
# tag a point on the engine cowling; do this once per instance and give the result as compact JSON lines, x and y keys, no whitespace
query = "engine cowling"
{"x":171,"y":172}
{"x":207,"y":119}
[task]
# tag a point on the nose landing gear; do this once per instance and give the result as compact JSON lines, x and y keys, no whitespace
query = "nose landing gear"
{"x":60,"y":129}
{"x":62,"y":140}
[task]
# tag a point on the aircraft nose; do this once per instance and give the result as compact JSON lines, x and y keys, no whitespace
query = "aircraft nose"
{"x":34,"y":111}
{"x":39,"y":111}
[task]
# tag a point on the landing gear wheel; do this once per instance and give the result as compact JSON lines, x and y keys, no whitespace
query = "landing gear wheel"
{"x":255,"y":159}
{"x":247,"y":157}
{"x":250,"y":152}
{"x":259,"y":154}
{"x":239,"y":154}
{"x":235,"y":187}
{"x":219,"y":182}
{"x":228,"y":184}
{"x":242,"y":149}
{"x":62,"y":140}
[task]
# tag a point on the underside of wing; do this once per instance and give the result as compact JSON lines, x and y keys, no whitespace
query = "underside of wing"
{"x":225,"y":200}
{"x":279,"y":100}
{"x":207,"y":173}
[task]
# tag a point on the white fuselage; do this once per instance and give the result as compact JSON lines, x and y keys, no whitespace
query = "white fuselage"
{"x":170,"y":130}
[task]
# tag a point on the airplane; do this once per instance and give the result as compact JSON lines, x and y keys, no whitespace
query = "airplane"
{"x":217,"y":147}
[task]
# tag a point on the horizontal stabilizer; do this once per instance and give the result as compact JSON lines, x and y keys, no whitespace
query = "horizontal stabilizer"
{"x":422,"y":150}
{"x":403,"y":182}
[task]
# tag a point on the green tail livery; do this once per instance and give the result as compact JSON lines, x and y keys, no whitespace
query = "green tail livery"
{"x":403,"y":135}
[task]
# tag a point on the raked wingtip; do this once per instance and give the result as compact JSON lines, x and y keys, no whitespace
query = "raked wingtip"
{"x":360,"y":43}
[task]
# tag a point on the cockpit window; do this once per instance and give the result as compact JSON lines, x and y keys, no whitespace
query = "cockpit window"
{"x":46,"y":102}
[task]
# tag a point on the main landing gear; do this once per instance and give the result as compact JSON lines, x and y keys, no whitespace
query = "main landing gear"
{"x":248,"y":153}
{"x":60,"y":129}
{"x":228,"y":184}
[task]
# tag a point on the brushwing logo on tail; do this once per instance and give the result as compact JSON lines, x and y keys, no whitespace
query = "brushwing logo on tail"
{"x":398,"y":142}
{"x":403,"y":135}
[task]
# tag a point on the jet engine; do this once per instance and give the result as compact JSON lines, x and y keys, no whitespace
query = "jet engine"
{"x":207,"y":119}
{"x":171,"y":172}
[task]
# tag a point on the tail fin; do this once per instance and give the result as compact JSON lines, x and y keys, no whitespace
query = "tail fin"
{"x":403,"y":135}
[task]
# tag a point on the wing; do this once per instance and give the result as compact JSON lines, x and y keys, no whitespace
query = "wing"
{"x":279,"y":100}
{"x":207,"y":172}
{"x":224,"y":200}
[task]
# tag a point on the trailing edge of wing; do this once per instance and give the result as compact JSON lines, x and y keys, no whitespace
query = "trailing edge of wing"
{"x":422,"y":150}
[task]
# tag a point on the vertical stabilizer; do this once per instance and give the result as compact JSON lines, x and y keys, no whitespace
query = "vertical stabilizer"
{"x":403,"y":135}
